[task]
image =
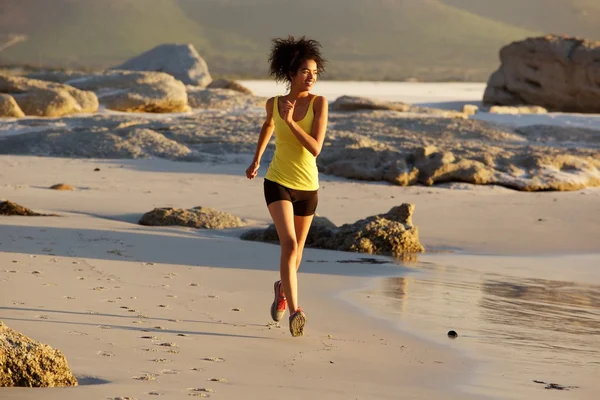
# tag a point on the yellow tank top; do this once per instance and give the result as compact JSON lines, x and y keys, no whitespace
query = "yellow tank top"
{"x":293,"y":166}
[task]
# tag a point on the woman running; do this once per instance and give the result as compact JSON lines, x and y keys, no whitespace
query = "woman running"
{"x":291,"y":183}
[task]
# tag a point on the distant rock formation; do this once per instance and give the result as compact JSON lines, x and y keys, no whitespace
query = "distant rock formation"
{"x":356,"y":103}
{"x":197,"y":217}
{"x":9,"y":107}
{"x":391,"y":233}
{"x":133,"y":91}
{"x":557,"y":73}
{"x":47,"y":99}
{"x":181,"y":61}
{"x":229,"y":84}
{"x":28,"y":363}
{"x":223,"y":99}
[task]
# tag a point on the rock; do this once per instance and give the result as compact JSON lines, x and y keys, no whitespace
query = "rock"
{"x":518,"y":110}
{"x":229,"y":84}
{"x":391,"y":233}
{"x":354,"y":103}
{"x":27,"y":363}
{"x":9,"y":107}
{"x":48,"y":99}
{"x":93,"y":139}
{"x":452,"y":334}
{"x":10,"y":208}
{"x":197,"y":217}
{"x":222,"y":99}
{"x":57,"y":76}
{"x":153,"y":92}
{"x":558,"y":73}
{"x":470,"y":109}
{"x":61,"y":186}
{"x":47,"y":103}
{"x":321,"y":230}
{"x":181,"y":61}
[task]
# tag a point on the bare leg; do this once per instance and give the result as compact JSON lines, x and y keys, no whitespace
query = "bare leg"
{"x":282,"y":214}
{"x":301,"y":226}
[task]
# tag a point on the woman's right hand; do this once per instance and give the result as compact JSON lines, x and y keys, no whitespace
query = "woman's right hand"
{"x":252,"y":170}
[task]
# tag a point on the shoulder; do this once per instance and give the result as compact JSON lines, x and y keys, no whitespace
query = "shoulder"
{"x":270,"y":101}
{"x":320,"y":103}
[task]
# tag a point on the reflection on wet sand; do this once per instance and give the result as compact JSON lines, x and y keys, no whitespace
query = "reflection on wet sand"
{"x":525,"y":320}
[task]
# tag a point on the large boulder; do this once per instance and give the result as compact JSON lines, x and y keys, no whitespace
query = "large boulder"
{"x":558,"y":73}
{"x":9,"y":107}
{"x":181,"y":61}
{"x":132,"y":91}
{"x":224,"y":99}
{"x":28,"y":363}
{"x":391,"y":233}
{"x":197,"y":217}
{"x":47,"y":99}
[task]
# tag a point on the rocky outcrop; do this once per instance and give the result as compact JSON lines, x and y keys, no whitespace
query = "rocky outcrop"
{"x":47,"y":99}
{"x":223,"y":99}
{"x":129,"y":91}
{"x":557,"y":73}
{"x":197,"y":217}
{"x":392,"y":233}
{"x":401,"y":148}
{"x":92,"y":140}
{"x":28,"y":363}
{"x":181,"y":61}
{"x":229,"y":84}
{"x":9,"y":107}
{"x":356,"y":103}
{"x":12,"y":209}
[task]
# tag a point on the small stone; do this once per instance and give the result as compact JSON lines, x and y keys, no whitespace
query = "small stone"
{"x":96,"y":169}
{"x":452,"y":334}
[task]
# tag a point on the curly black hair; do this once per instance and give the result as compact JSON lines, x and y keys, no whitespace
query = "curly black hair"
{"x":288,"y":54}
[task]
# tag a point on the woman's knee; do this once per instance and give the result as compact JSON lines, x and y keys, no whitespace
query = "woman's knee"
{"x":289,"y":245}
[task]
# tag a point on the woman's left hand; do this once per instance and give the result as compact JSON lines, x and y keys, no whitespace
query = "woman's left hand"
{"x":288,"y":111}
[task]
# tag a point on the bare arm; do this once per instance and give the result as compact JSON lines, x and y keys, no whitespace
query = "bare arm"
{"x":314,"y":142}
{"x":263,"y":140}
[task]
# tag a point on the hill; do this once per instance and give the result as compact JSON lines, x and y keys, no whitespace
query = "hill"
{"x":363,"y":39}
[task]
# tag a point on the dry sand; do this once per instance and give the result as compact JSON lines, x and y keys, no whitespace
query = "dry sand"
{"x":103,"y":284}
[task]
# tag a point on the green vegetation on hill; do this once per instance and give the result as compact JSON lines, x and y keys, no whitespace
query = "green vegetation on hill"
{"x":568,"y":17}
{"x":363,"y":39}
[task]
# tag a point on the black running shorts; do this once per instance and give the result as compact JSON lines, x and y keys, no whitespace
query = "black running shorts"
{"x":304,"y":201}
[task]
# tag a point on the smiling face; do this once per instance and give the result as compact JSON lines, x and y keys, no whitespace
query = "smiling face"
{"x":306,"y":76}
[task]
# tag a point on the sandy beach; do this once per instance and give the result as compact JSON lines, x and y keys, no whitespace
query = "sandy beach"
{"x":142,"y":311}
{"x":145,"y":311}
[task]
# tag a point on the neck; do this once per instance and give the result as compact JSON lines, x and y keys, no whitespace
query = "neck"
{"x":297,"y":94}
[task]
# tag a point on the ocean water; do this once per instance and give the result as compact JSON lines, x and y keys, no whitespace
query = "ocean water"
{"x":529,"y":321}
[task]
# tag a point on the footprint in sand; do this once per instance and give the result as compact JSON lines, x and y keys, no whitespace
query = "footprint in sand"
{"x":70,"y":298}
{"x":214,"y":359}
{"x":170,"y":372}
{"x":42,"y":316}
{"x":106,"y":354}
{"x":220,"y":380}
{"x":161,"y":360}
{"x":167,"y":344}
{"x":149,"y":337}
{"x":163,"y":305}
{"x":145,"y":377}
{"x":160,"y":328}
{"x":155,"y":394}
{"x":122,"y":398}
{"x":76,"y":333}
{"x":200,"y":392}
